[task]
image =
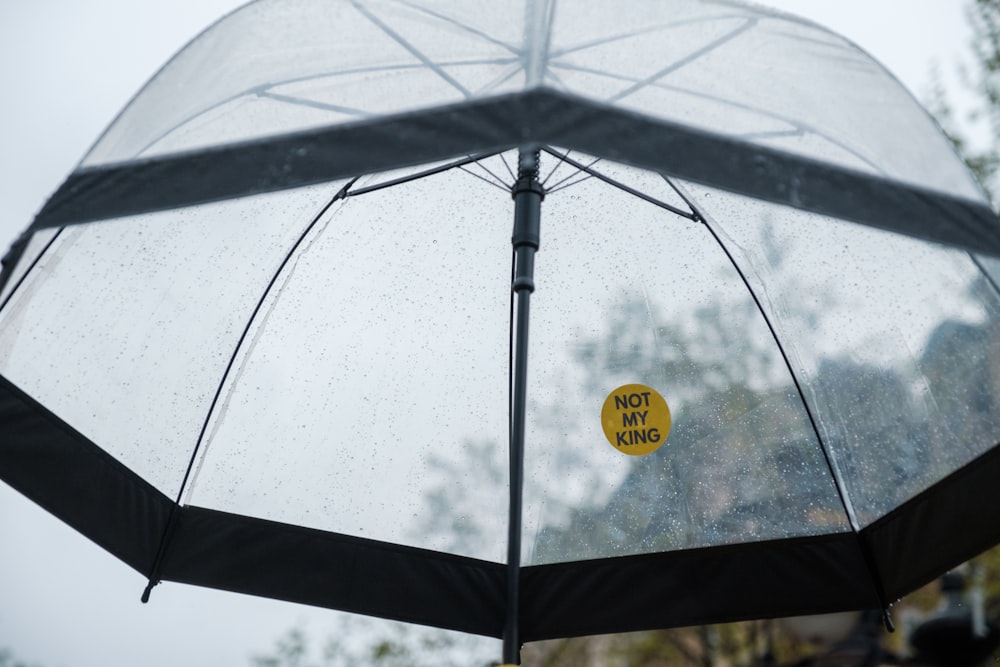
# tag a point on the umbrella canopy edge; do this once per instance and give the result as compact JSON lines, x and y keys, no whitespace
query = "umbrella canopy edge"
{"x":113,"y":507}
{"x":946,"y":525}
{"x":65,"y":473}
{"x":281,"y":561}
{"x":539,"y":116}
{"x":62,"y":471}
{"x":770,"y":579}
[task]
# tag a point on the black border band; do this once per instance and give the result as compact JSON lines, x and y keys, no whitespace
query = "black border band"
{"x":539,"y":116}
{"x":946,"y":525}
{"x":70,"y":477}
{"x":276,"y":560}
{"x":76,"y":481}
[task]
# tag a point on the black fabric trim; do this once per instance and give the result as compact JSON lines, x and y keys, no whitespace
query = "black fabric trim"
{"x":779,"y":177}
{"x":719,"y":584}
{"x":276,"y":560}
{"x":536,"y":116}
{"x":70,"y":477}
{"x":682,"y":588}
{"x":946,"y":525}
{"x":284,"y":162}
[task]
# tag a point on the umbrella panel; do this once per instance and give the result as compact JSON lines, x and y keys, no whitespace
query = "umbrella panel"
{"x":894,"y":341}
{"x":275,"y":67}
{"x":380,"y":358}
{"x":124,"y":328}
{"x":745,"y":72}
{"x":631,"y":293}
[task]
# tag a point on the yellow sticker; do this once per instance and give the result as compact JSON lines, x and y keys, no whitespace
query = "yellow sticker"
{"x":635,"y":419}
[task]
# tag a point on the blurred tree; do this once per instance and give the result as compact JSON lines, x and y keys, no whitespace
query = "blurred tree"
{"x":7,"y":659}
{"x":983,"y":159}
{"x":359,"y":641}
{"x":982,"y":154}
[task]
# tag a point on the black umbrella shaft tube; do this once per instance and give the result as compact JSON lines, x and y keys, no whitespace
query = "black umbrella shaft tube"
{"x":528,"y":195}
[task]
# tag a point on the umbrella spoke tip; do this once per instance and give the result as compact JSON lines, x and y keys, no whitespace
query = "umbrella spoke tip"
{"x":145,"y":593}
{"x":890,"y":625}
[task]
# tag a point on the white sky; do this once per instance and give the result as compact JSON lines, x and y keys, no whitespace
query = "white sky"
{"x":66,"y":68}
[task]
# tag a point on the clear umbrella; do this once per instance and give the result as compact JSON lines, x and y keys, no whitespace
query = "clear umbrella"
{"x":264,"y":338}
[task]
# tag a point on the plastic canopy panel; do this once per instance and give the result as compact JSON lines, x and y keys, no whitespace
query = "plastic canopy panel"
{"x":745,"y":72}
{"x":270,"y":336}
{"x":284,"y":94}
{"x":899,"y":344}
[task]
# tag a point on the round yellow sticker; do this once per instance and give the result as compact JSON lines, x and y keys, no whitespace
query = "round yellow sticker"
{"x":635,"y":419}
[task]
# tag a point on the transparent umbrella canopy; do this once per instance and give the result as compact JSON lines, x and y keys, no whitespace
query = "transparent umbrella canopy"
{"x":272,"y":335}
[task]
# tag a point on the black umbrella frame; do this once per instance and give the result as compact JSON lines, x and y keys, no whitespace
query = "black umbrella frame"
{"x":864,"y":559}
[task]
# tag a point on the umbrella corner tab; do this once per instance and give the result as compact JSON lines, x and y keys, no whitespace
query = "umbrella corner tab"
{"x":144,"y":598}
{"x":890,"y":625}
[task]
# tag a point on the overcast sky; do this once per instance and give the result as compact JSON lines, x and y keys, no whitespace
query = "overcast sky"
{"x":66,"y":68}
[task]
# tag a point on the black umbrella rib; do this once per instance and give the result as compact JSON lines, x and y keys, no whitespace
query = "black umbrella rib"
{"x":499,"y":186}
{"x":559,"y":163}
{"x":171,"y":522}
{"x":975,"y":260}
{"x":497,"y":182}
{"x":838,"y":482}
{"x":421,"y":174}
{"x":12,"y":259}
{"x":513,"y":177}
{"x":693,"y":215}
{"x":563,"y":182}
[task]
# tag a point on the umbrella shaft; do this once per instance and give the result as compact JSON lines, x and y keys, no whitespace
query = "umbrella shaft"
{"x":511,"y":638}
{"x":528,"y":195}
